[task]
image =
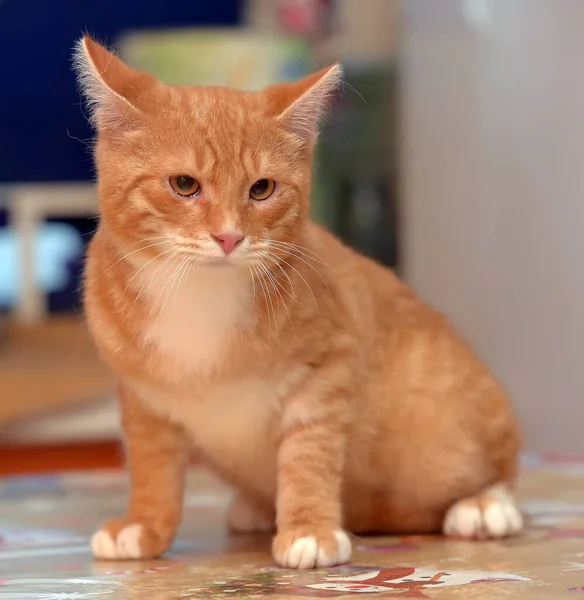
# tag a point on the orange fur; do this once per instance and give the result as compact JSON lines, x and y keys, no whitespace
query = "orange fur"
{"x":306,"y":375}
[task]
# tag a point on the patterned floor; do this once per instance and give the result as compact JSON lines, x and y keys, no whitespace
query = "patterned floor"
{"x":45,"y":524}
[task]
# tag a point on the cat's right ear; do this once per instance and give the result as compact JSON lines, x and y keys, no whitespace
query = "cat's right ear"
{"x":110,"y":87}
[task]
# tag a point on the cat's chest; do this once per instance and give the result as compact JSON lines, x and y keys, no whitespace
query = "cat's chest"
{"x":193,"y":318}
{"x":233,"y":425}
{"x":234,"y":418}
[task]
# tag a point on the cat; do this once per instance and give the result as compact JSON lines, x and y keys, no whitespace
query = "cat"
{"x":305,"y":375}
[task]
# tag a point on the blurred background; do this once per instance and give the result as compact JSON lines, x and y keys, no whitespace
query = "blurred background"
{"x":454,"y":155}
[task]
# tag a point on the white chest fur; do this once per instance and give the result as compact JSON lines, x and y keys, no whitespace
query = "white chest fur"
{"x":194,"y":312}
{"x":233,"y":425}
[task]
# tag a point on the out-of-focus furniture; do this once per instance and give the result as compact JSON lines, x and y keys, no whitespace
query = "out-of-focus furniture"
{"x":27,"y":206}
{"x":243,"y":59}
{"x":356,"y":184}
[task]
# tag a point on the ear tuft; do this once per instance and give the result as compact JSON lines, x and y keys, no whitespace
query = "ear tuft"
{"x":108,"y":85}
{"x":302,"y":105}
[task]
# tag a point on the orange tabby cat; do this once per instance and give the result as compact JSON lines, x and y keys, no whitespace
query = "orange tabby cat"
{"x":305,"y":375}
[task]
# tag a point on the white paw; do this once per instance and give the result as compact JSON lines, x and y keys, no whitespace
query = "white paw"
{"x":244,"y":518}
{"x":306,"y":553}
{"x":126,"y":545}
{"x":493,"y":514}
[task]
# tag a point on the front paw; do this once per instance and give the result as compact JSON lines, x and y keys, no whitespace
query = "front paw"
{"x":306,"y":548}
{"x":126,"y":539}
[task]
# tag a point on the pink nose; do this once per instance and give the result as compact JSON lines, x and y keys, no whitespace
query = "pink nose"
{"x":228,"y":241}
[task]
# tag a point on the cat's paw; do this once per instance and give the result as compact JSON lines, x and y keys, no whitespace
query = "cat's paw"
{"x":306,"y":549}
{"x":491,"y":514}
{"x":246,"y":518}
{"x":125,"y":539}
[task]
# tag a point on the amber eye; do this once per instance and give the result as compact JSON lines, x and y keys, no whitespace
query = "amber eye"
{"x":262,"y":189}
{"x":184,"y":185}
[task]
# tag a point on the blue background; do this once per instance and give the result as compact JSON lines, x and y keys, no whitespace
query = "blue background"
{"x":40,"y":110}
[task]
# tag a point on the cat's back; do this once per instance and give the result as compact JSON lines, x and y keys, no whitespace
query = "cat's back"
{"x":368,"y":285}
{"x":403,"y":337}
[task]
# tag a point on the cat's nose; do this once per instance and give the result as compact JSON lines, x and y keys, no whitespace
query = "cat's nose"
{"x":228,"y":241}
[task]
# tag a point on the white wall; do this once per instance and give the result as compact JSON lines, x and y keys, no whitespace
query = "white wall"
{"x":493,"y":109}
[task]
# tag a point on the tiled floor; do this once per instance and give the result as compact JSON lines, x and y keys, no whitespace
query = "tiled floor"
{"x":45,"y":523}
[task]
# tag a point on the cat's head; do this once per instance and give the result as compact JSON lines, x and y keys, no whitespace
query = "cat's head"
{"x":213,"y":173}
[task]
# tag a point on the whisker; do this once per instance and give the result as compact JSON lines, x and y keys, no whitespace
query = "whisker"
{"x":275,"y":259}
{"x":164,"y":262}
{"x":253,"y":287}
{"x":254,"y":266}
{"x":305,"y":282}
{"x":270,"y":282}
{"x":133,"y":252}
{"x":148,"y":239}
{"x":270,"y":306}
{"x":302,"y":249}
{"x":170,"y":285}
{"x":185,"y":270}
{"x":273,"y":309}
{"x":298,"y":252}
{"x":275,"y":283}
{"x":143,"y":267}
{"x":315,"y":270}
{"x":272,"y":258}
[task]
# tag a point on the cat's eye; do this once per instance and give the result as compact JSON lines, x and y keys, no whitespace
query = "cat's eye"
{"x":262,"y":189}
{"x":184,"y":185}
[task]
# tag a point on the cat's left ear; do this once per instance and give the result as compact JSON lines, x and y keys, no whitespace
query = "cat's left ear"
{"x":301,"y":105}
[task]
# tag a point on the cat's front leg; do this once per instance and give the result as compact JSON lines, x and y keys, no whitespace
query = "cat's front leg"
{"x":157,"y":456}
{"x":311,"y":459}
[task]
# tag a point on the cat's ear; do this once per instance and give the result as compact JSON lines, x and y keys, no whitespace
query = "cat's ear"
{"x":111,"y":88}
{"x":301,"y":105}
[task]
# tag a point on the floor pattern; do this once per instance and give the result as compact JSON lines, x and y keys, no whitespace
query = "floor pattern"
{"x":45,"y":523}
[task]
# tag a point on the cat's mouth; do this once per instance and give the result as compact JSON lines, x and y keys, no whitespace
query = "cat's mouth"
{"x":219,"y":261}
{"x":201,"y":259}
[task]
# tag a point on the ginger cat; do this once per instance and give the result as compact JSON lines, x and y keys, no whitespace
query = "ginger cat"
{"x":308,"y":377}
